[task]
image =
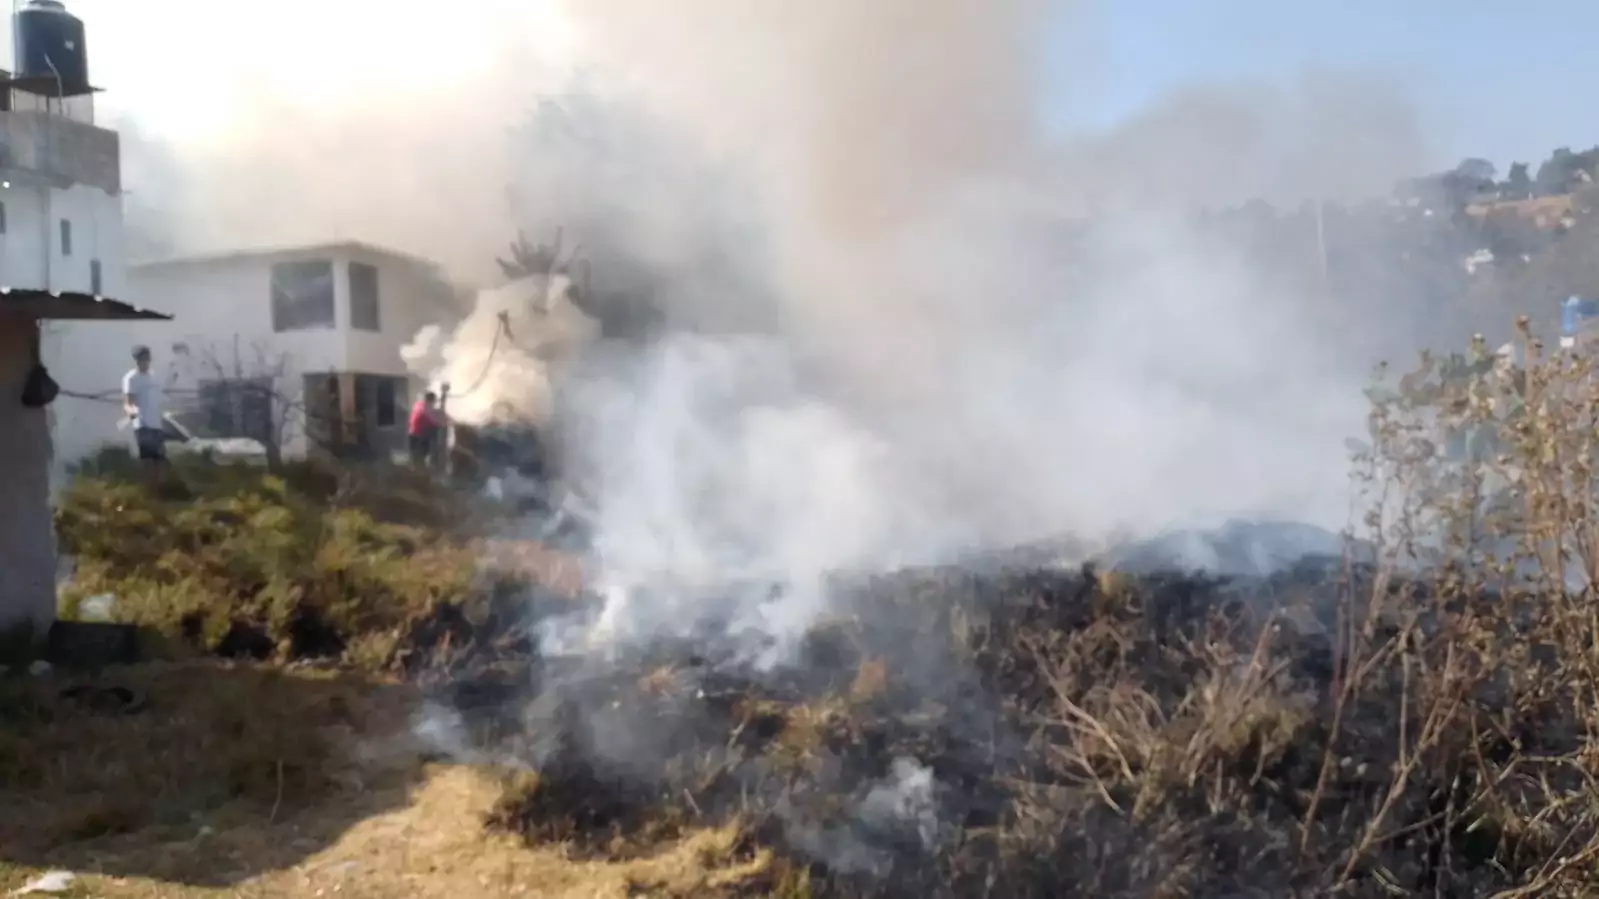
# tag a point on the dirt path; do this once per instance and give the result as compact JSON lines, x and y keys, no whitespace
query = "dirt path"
{"x":382,"y":825}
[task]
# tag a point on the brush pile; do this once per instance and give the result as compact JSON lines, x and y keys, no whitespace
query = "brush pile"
{"x":1054,"y":733}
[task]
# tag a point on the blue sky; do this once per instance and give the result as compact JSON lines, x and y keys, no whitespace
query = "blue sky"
{"x":1502,"y":80}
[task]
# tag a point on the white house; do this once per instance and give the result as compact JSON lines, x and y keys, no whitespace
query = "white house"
{"x":61,"y":258}
{"x":297,"y":347}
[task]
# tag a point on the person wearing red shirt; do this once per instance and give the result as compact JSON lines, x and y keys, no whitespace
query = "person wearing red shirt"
{"x":427,"y":423}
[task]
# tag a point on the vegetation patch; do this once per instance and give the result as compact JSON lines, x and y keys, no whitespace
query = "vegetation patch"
{"x":309,"y":563}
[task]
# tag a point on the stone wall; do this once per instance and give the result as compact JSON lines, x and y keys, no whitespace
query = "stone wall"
{"x":27,"y":538}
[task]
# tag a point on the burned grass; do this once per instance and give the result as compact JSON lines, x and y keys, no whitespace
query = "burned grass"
{"x":1035,"y":734}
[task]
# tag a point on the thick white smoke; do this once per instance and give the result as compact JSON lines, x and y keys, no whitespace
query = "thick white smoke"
{"x":951,"y":369}
{"x":499,"y":361}
{"x":942,"y":360}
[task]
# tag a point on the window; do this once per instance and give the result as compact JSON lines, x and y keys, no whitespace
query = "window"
{"x":364,"y":297}
{"x":236,"y":407}
{"x":387,"y":414}
{"x":66,"y":238}
{"x":94,"y":276}
{"x":2,"y":218}
{"x":302,"y":295}
{"x":378,"y":399}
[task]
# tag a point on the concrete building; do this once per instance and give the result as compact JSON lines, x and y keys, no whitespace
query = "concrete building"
{"x":61,"y":258}
{"x":296,"y":347}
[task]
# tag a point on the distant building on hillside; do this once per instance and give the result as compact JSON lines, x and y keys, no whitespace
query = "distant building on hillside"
{"x":296,"y":347}
{"x":1545,"y":213}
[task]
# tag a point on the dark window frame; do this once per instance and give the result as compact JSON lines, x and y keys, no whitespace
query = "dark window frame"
{"x":366,"y":293}
{"x":388,"y":407}
{"x":303,"y":296}
{"x":380,"y":400}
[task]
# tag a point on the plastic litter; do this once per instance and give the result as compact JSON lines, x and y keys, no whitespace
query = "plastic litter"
{"x":101,"y":607}
{"x":49,"y":883}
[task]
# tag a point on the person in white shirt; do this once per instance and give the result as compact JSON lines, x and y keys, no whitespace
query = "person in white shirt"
{"x":141,"y":400}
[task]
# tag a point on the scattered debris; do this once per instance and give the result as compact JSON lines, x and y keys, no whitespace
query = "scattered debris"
{"x":52,"y":883}
{"x":100,"y":607}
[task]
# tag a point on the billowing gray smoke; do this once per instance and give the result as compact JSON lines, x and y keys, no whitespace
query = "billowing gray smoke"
{"x":955,"y":366}
{"x":940,"y":359}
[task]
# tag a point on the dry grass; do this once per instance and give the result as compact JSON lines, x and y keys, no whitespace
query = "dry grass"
{"x":423,"y":840}
{"x":198,"y":739}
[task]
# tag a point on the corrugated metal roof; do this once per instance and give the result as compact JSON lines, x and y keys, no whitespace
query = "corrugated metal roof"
{"x":68,"y":305}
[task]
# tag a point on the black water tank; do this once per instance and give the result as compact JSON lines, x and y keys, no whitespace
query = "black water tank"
{"x":50,"y":45}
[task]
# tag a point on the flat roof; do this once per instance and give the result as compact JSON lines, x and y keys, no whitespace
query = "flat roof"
{"x":68,"y":305}
{"x":242,"y":254}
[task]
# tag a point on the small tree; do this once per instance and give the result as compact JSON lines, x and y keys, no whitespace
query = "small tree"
{"x":621,"y":313}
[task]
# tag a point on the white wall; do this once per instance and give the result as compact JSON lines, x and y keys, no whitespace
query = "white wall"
{"x":31,"y":252}
{"x":407,"y":300}
{"x":222,"y":316}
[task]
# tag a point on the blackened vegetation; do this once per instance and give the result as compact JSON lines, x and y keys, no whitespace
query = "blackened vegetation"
{"x":1075,"y":733}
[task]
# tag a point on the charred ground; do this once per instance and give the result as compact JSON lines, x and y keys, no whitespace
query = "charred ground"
{"x":1060,"y":733}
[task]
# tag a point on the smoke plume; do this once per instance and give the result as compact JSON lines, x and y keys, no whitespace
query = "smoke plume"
{"x":933,"y":352}
{"x":500,"y":360}
{"x":987,"y":377}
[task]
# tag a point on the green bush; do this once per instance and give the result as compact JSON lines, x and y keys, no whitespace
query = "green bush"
{"x":355,"y":555}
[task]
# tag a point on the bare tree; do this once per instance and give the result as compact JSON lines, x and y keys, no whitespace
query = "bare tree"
{"x":256,"y":391}
{"x":620,"y":312}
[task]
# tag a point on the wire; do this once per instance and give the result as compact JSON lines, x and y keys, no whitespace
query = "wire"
{"x":502,"y":327}
{"x":110,"y":398}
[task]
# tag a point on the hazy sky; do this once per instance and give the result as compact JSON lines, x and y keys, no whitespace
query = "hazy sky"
{"x":1491,"y":79}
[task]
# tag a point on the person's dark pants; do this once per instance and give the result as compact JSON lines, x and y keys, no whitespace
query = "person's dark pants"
{"x":151,"y":443}
{"x":421,"y":447}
